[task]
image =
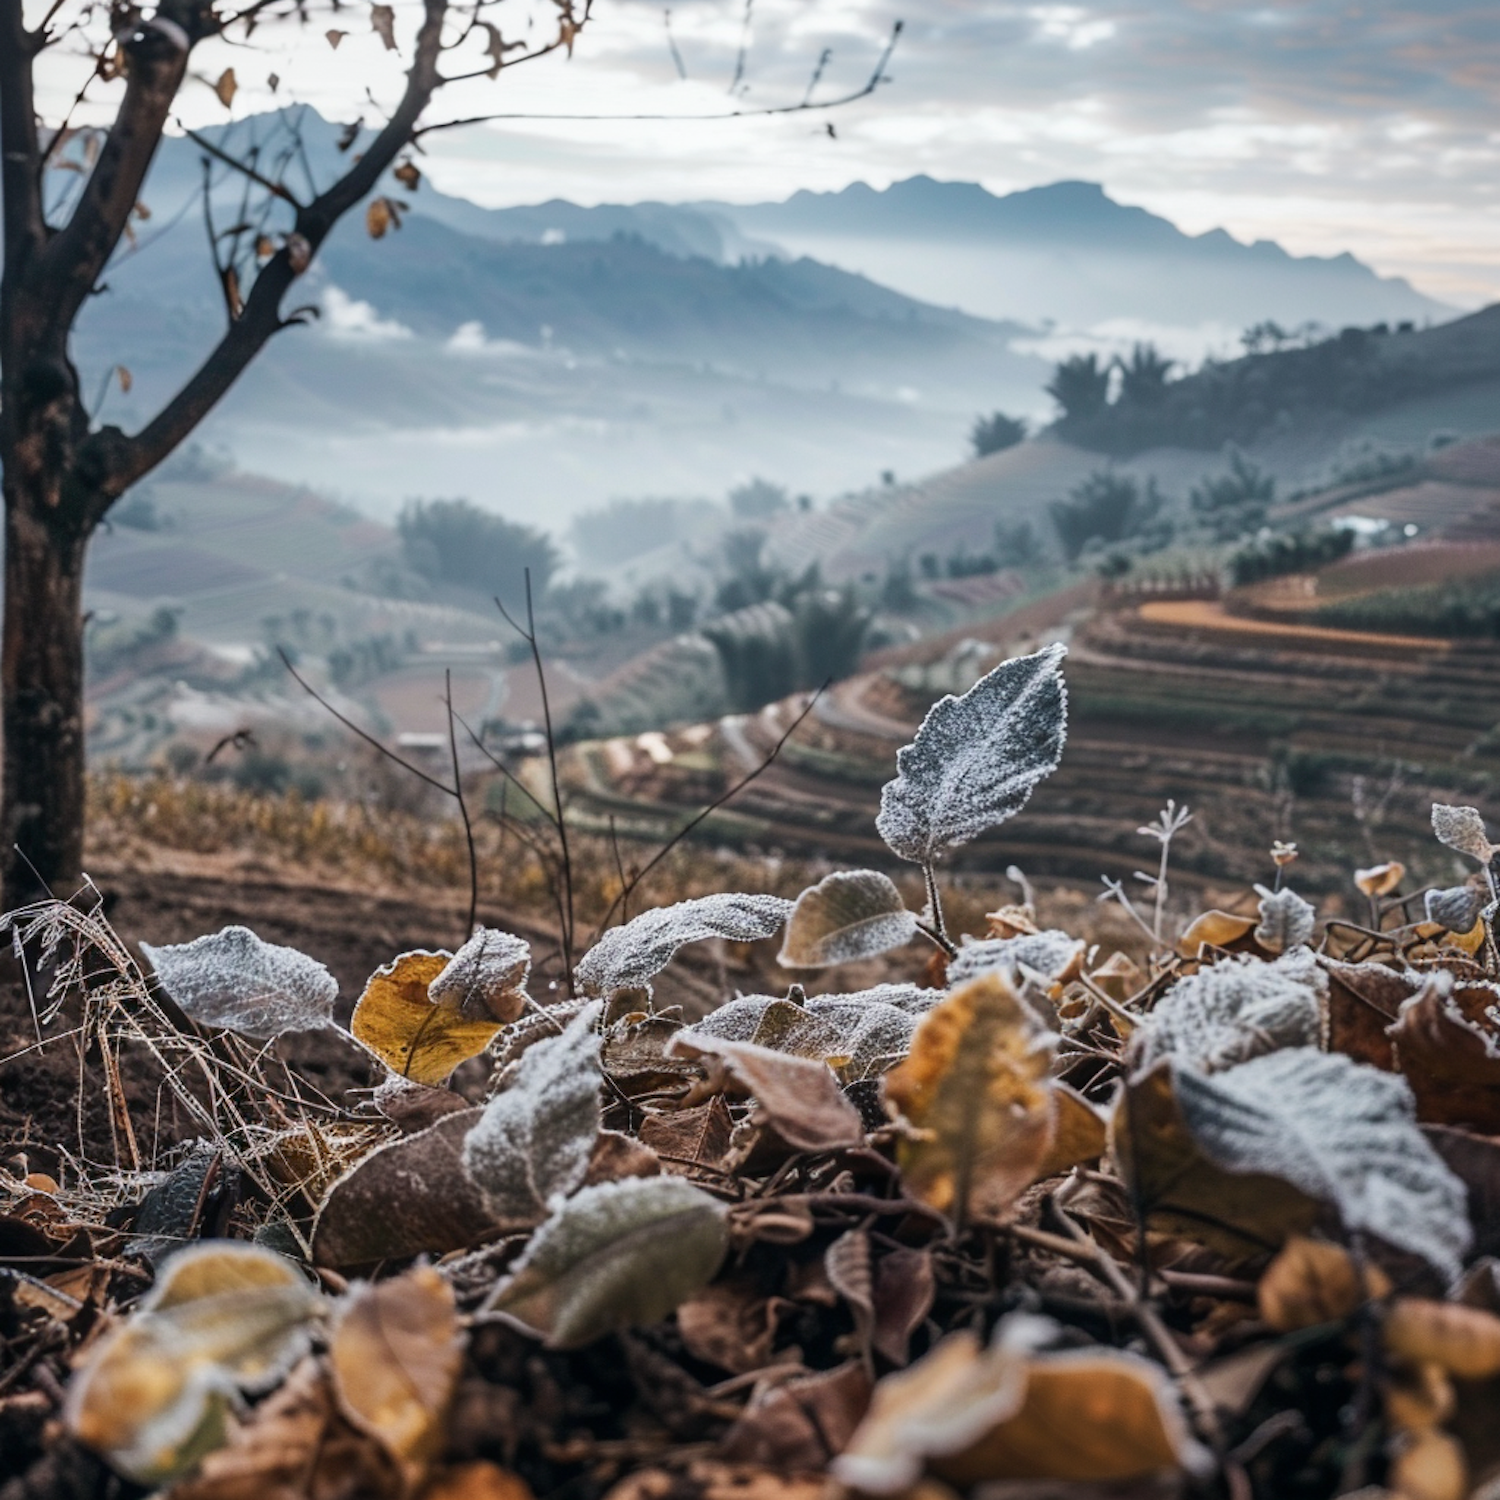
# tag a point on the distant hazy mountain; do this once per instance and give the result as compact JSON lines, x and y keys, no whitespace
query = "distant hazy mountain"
{"x":1071,"y":253}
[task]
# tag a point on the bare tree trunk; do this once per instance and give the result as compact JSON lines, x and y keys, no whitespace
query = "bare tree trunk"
{"x":41,"y":700}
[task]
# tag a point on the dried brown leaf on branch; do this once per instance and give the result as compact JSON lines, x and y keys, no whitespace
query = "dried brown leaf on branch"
{"x":1446,"y":1043}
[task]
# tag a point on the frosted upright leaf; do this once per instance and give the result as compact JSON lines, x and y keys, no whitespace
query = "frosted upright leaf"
{"x":234,"y":980}
{"x":874,"y":1037}
{"x":1456,"y":908}
{"x":486,"y":978}
{"x":1049,"y":955}
{"x":531,"y":1146}
{"x":633,"y":955}
{"x":1462,"y":828}
{"x":976,"y":759}
{"x":1340,"y":1132}
{"x":849,"y":915}
{"x":1286,"y":920}
{"x":615,"y":1255}
{"x":1234,"y":1010}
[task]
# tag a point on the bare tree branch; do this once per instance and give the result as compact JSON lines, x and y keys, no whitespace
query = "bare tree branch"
{"x":277,"y":188}
{"x":20,"y":149}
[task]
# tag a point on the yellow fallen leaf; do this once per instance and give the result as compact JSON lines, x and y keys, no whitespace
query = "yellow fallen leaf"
{"x":1312,"y":1282}
{"x":1464,"y":1341}
{"x":1418,"y":1397}
{"x":1217,"y":929}
{"x":1429,"y":1466}
{"x":223,"y":1315}
{"x":396,"y":1353}
{"x":1380,"y":880}
{"x":1079,"y":1133}
{"x":480,"y":1480}
{"x":975,"y":1089}
{"x":397,"y":1021}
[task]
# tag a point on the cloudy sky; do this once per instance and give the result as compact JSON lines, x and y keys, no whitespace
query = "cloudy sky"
{"x":1324,"y":124}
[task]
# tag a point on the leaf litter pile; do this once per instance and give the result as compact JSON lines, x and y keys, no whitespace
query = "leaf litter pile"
{"x":1052,"y":1223}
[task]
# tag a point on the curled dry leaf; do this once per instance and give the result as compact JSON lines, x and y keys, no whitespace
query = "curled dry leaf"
{"x":615,"y":1255}
{"x":1462,"y":828}
{"x":1234,"y":1010}
{"x":1364,"y":1001}
{"x":797,"y":1097}
{"x":630,"y":957}
{"x":409,"y":175}
{"x":533,"y":1142}
{"x":234,"y":980}
{"x":1380,"y":880}
{"x":226,"y":87}
{"x":397,"y":1021}
{"x":1286,"y":920}
{"x":1429,"y":1465}
{"x":848,"y":915}
{"x":798,"y":1425}
{"x":976,"y":1092}
{"x":395,"y":1353}
{"x":1447,"y":1045}
{"x":976,"y":759}
{"x":1312,"y":1282}
{"x":223,"y":1316}
{"x":1214,"y":929}
{"x":486,"y":979}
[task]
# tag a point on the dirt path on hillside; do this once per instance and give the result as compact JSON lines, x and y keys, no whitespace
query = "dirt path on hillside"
{"x":1209,"y":614}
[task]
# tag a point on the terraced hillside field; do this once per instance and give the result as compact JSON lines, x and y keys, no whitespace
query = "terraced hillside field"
{"x":1337,"y":740}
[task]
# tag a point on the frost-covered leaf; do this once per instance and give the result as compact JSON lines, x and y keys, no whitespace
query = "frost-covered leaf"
{"x":234,"y":980}
{"x":873,"y":1037}
{"x":395,"y":1355}
{"x":532,"y":1143}
{"x":976,"y":759}
{"x":1462,"y":828}
{"x":399,"y":1023}
{"x":1457,"y":908}
{"x":408,"y":1197}
{"x":914,"y":999}
{"x":633,"y":955}
{"x":849,"y":915}
{"x":613,"y":1256}
{"x":975,"y":1089}
{"x":1343,"y":1134}
{"x":765,"y":1021}
{"x":486,"y":979}
{"x":1286,"y":920}
{"x":1234,"y":1010}
{"x":796,"y":1096}
{"x":1050,"y":956}
{"x":223,"y":1316}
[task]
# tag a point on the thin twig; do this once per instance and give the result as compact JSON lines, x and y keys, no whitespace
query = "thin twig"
{"x":463,"y":808}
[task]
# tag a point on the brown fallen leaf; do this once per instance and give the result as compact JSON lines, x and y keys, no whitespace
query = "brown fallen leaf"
{"x":1217,"y":929}
{"x":1079,"y":1133}
{"x":398,"y":1022}
{"x":904,"y":1290}
{"x":1364,"y":1000}
{"x":395,"y":1356}
{"x":405,"y":1198}
{"x":688,"y":1138}
{"x":976,"y":1092}
{"x":733,"y":1327}
{"x":800,"y":1424}
{"x":226,"y":87}
{"x":798,"y":1097}
{"x":1380,"y":880}
{"x":709,"y":1479}
{"x":1447,"y":1044}
{"x":1475,"y":1160}
{"x":1429,"y":1465}
{"x":1312,"y":1281}
{"x":1464,"y":1341}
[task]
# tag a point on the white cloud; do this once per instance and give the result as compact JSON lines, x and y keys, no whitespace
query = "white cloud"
{"x":345,"y":317}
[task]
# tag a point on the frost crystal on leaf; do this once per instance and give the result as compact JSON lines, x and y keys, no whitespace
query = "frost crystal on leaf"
{"x":1235,"y":1010}
{"x":486,"y":977}
{"x":614,"y":1255}
{"x":1456,"y":908}
{"x":765,"y":1021}
{"x":1340,"y":1132}
{"x":976,"y":759}
{"x":234,"y":980}
{"x":1286,"y":920}
{"x":848,"y":915}
{"x":633,"y":955}
{"x":1462,"y":828}
{"x":1048,"y":955}
{"x":531,"y":1146}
